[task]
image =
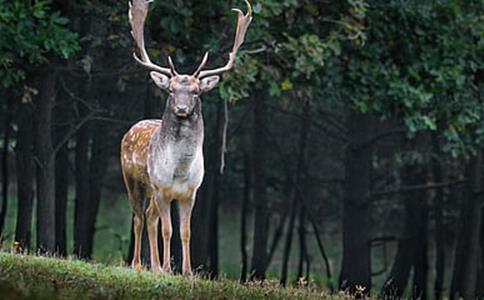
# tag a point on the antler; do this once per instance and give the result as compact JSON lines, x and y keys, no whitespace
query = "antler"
{"x":242,"y":25}
{"x":138,"y":10}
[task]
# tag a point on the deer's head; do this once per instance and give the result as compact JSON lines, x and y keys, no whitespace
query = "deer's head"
{"x":184,"y":90}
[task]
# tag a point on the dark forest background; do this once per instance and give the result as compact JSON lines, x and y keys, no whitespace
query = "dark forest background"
{"x":353,"y":131}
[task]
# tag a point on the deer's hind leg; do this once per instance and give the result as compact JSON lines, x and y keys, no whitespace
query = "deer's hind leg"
{"x":136,"y":195}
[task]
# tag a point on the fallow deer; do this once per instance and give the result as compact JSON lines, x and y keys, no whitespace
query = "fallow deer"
{"x":162,"y":160}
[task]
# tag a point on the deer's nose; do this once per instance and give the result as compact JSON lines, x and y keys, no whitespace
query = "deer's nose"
{"x":181,"y":110}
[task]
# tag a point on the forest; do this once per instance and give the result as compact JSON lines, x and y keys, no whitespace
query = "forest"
{"x":343,"y":150}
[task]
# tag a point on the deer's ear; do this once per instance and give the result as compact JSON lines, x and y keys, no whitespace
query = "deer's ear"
{"x":209,"y":83}
{"x":161,"y":81}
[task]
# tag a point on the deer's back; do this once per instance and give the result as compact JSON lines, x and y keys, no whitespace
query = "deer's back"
{"x":134,"y":149}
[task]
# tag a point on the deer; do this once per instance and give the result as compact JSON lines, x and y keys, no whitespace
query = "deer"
{"x":162,"y":159}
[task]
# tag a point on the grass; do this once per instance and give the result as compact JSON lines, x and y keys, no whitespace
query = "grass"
{"x":34,"y":277}
{"x":111,"y":240}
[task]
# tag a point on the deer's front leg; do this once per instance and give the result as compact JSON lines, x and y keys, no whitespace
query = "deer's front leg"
{"x":152,"y":217}
{"x":167,"y":230}
{"x":186,"y":207}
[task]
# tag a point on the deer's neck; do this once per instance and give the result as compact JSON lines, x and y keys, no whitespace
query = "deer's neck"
{"x":176,"y":153}
{"x":182,"y":130}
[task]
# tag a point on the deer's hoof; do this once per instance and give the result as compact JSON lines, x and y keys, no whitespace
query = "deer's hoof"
{"x":156,"y":269}
{"x":137,"y":267}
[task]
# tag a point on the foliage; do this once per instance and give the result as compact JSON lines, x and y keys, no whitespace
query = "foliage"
{"x":29,"y":32}
{"x":26,"y":276}
{"x":420,"y":66}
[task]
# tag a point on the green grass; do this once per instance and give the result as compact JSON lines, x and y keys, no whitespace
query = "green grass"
{"x":34,"y":277}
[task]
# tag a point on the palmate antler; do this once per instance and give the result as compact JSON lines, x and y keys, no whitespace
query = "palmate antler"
{"x":138,"y":10}
{"x":243,"y":23}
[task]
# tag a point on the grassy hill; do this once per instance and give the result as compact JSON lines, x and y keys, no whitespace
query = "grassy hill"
{"x":33,"y":277}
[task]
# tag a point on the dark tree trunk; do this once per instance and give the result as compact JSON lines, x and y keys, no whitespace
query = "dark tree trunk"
{"x":61,"y":176}
{"x":412,"y":246}
{"x":61,"y":192}
{"x":288,"y":243}
{"x":420,"y":261}
{"x":82,"y":200}
{"x":97,"y":170}
{"x":480,"y":281}
{"x":214,"y":196}
{"x":25,"y":176}
{"x":302,"y":243}
{"x":297,"y":197}
{"x":468,"y":250}
{"x":473,"y":254}
{"x":438,"y":208}
{"x":261,"y":212}
{"x":324,"y":255}
{"x":5,"y":171}
{"x":356,"y":267}
{"x":45,"y":159}
{"x":243,"y":219}
{"x":284,"y":213}
{"x":200,"y":229}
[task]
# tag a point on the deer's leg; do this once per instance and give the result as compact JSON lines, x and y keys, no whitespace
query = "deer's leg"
{"x":138,"y":221}
{"x":135,"y":196}
{"x":167,"y":231}
{"x":152,"y":218}
{"x":185,"y":233}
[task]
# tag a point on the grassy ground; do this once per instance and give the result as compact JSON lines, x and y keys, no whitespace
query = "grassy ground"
{"x":113,"y":233}
{"x":31,"y":277}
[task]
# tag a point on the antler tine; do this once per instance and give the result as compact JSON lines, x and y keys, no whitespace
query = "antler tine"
{"x":243,"y":22}
{"x":202,"y":64}
{"x":172,"y":67}
{"x":138,"y":10}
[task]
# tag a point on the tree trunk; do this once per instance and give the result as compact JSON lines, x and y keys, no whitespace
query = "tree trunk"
{"x":420,"y":261}
{"x":45,"y":159}
{"x":470,"y":263}
{"x":200,"y":229}
{"x":297,"y":197}
{"x":302,"y":243}
{"x":261,"y":212}
{"x":61,"y":192}
{"x":214,"y":196}
{"x":325,"y":257}
{"x":61,"y":177}
{"x":464,"y":280}
{"x":243,"y":219}
{"x":5,"y":170}
{"x":438,"y":208}
{"x":356,"y":267}
{"x":288,"y":244}
{"x":480,"y":281}
{"x":82,"y":200}
{"x":25,"y":176}
{"x":97,"y":170}
{"x":412,"y":247}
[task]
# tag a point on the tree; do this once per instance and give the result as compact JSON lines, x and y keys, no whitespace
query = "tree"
{"x":32,"y":35}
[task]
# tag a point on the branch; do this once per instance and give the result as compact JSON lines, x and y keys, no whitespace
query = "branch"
{"x":420,"y":187}
{"x":73,"y":131}
{"x":224,"y":137}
